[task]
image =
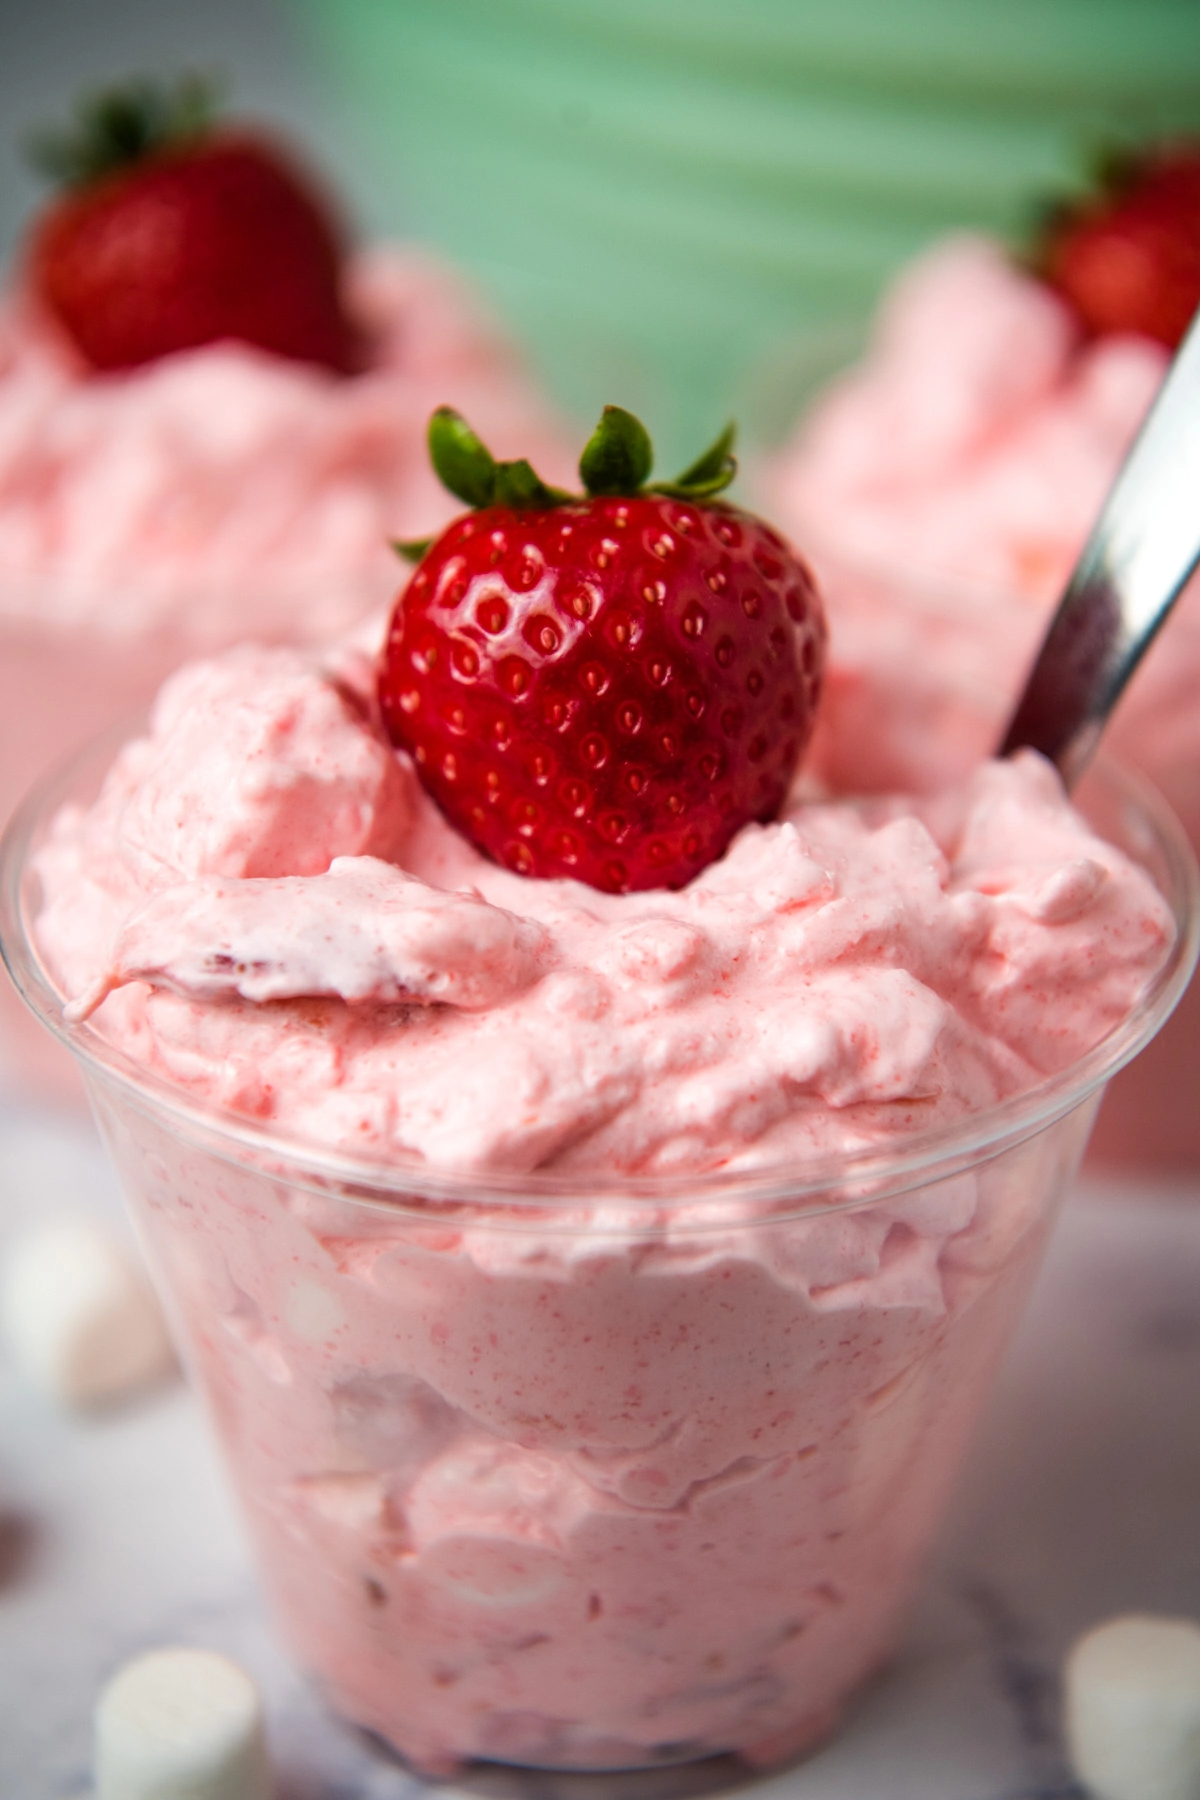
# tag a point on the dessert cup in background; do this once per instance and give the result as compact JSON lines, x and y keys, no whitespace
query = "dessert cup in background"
{"x":152,"y":515}
{"x":572,"y":1469}
{"x":944,"y":488}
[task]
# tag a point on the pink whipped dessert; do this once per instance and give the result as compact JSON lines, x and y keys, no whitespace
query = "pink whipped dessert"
{"x":951,"y":479}
{"x":603,"y":1415}
{"x":945,"y":487}
{"x":212,"y":412}
{"x":264,"y":845}
{"x":162,"y":512}
{"x":212,"y":415}
{"x":151,"y":513}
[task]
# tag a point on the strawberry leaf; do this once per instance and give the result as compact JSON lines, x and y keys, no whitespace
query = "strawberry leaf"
{"x":715,"y":461}
{"x":518,"y":484}
{"x":463,"y":463}
{"x":709,"y":474}
{"x":120,"y":126}
{"x":618,"y":456}
{"x":411,"y":549}
{"x":1115,"y":168}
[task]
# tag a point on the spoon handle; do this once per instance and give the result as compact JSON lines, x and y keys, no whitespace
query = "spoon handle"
{"x":1142,"y":549}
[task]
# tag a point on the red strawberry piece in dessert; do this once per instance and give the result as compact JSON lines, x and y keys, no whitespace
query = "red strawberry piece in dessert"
{"x":1128,"y":257}
{"x":605,"y":686}
{"x":172,"y":232}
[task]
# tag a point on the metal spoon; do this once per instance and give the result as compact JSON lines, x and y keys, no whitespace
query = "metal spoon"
{"x":1134,"y":565}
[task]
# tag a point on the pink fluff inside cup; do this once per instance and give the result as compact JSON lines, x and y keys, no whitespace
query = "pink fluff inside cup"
{"x":572,"y":1468}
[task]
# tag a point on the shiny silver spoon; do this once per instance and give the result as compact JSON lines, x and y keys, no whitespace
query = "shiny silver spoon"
{"x":1134,"y":565}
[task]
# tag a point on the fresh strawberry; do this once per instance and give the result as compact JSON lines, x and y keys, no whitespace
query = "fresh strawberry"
{"x":605,"y":686}
{"x":1128,"y":259}
{"x":173,"y":233}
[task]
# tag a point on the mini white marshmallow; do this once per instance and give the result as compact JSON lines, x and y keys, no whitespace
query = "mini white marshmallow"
{"x":180,"y":1724}
{"x":1133,"y":1709}
{"x":79,"y":1316}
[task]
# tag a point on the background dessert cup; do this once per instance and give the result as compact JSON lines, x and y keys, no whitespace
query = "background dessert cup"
{"x":944,"y":487}
{"x":581,"y":1471}
{"x":162,"y":513}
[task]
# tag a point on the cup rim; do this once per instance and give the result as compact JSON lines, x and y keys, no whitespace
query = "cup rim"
{"x":831,"y":1182}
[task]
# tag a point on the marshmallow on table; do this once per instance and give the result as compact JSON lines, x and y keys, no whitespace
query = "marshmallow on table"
{"x":180,"y":1725}
{"x":1133,"y":1709}
{"x":80,"y":1318}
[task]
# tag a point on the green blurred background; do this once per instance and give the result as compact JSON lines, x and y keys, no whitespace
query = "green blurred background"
{"x":688,"y":206}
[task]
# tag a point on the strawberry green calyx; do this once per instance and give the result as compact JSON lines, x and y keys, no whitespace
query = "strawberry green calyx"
{"x":120,"y":126}
{"x":411,"y":549}
{"x":616,"y":461}
{"x":467,"y":467}
{"x":618,"y":456}
{"x":710,"y":474}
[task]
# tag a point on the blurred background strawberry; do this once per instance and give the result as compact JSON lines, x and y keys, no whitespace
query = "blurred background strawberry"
{"x":169,"y":229}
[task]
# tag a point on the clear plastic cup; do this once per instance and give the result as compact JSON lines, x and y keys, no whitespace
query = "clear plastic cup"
{"x":60,"y":683}
{"x":70,"y":668}
{"x":594,"y":1474}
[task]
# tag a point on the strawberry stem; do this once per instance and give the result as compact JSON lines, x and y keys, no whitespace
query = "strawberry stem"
{"x":461,"y":461}
{"x":616,"y":460}
{"x":120,"y":126}
{"x":618,"y":456}
{"x":411,"y":549}
{"x":518,"y":484}
{"x":709,"y":474}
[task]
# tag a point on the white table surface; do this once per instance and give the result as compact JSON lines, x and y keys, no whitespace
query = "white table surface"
{"x":1082,"y":1499}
